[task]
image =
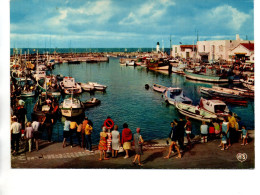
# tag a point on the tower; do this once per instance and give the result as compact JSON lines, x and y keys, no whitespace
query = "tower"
{"x":158,"y":47}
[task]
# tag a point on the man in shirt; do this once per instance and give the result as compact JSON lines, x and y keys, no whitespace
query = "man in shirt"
{"x":84,"y":123}
{"x":15,"y":135}
{"x":232,"y":122}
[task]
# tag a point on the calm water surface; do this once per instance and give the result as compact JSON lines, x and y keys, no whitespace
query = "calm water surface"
{"x":127,"y":100}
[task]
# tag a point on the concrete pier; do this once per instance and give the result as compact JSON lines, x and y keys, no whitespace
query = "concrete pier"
{"x":200,"y":156}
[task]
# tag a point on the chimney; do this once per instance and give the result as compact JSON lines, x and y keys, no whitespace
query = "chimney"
{"x":237,"y":37}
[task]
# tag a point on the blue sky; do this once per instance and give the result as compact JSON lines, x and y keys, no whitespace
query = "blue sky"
{"x":125,"y":23}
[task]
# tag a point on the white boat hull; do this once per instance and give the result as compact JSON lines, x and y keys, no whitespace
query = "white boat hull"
{"x":71,"y":112}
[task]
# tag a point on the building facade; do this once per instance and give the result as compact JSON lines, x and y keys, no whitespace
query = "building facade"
{"x":210,"y":51}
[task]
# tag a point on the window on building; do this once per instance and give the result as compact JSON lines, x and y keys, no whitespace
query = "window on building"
{"x":175,"y":49}
{"x":203,"y":47}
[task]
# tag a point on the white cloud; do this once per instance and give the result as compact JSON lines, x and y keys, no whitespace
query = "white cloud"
{"x":225,"y":15}
{"x":148,"y":12}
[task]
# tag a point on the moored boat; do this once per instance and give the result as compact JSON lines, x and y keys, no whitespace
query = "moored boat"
{"x":69,"y":86}
{"x":44,"y":105}
{"x":87,"y":86}
{"x":173,"y":95}
{"x":217,"y":107}
{"x":249,"y":83}
{"x":159,"y":88}
{"x":195,"y":112}
{"x":71,"y":107}
{"x":92,"y":102}
{"x":98,"y":86}
{"x":204,"y":77}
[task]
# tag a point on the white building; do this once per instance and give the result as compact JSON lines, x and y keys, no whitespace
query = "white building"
{"x":209,"y":51}
{"x":243,"y":52}
{"x":184,"y":51}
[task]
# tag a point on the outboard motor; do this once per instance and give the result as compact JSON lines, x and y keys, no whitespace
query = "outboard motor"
{"x":146,"y":86}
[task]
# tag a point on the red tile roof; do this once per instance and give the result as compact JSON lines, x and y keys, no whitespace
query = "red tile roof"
{"x":249,"y":46}
{"x":188,"y":46}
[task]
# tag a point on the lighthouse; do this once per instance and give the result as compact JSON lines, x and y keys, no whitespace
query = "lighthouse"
{"x":157,"y":47}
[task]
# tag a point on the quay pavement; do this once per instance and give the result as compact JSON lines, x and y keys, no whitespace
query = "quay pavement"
{"x":200,"y":156}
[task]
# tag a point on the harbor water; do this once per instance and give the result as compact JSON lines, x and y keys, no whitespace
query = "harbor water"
{"x":127,"y":100}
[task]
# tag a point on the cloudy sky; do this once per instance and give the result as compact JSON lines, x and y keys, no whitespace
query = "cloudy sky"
{"x":126,"y":23}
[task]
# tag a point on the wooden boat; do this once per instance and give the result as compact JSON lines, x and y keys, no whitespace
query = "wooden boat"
{"x":92,"y":102}
{"x":87,"y":86}
{"x":50,"y":86}
{"x":71,"y":107}
{"x":159,"y":88}
{"x":26,"y":87}
{"x":195,"y":112}
{"x":98,"y":86}
{"x":225,"y":92}
{"x":217,"y":107}
{"x":130,"y":63}
{"x":179,"y":68}
{"x":235,"y":101}
{"x":173,"y":95}
{"x":249,"y":83}
{"x":204,"y":77}
{"x":42,"y":106}
{"x":69,"y":86}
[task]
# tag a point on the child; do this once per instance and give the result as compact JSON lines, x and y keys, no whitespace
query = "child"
{"x":204,"y":130}
{"x":223,"y":140}
{"x":244,"y":135}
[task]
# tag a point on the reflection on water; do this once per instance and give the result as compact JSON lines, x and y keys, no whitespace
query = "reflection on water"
{"x":127,"y":100}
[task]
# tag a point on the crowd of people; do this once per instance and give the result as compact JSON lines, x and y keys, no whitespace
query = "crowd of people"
{"x":229,"y":131}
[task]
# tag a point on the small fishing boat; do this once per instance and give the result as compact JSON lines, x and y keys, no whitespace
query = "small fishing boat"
{"x":217,"y":107}
{"x":224,"y":92}
{"x":44,"y":105}
{"x":159,"y":88}
{"x":235,"y":101}
{"x":179,"y":68}
{"x":71,"y":107}
{"x":98,"y":86}
{"x":195,"y":112}
{"x":249,"y":83}
{"x":69,"y":86}
{"x":87,"y":86}
{"x":26,"y":86}
{"x":50,"y":86}
{"x":92,"y":102}
{"x":173,"y":95}
{"x":131,"y":63}
{"x":204,"y":77}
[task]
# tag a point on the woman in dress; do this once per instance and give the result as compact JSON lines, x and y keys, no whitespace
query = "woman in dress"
{"x":126,"y":139}
{"x":103,"y":144}
{"x":115,"y":141}
{"x":138,"y":146}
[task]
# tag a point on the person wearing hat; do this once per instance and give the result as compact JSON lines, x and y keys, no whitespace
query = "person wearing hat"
{"x":15,"y":135}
